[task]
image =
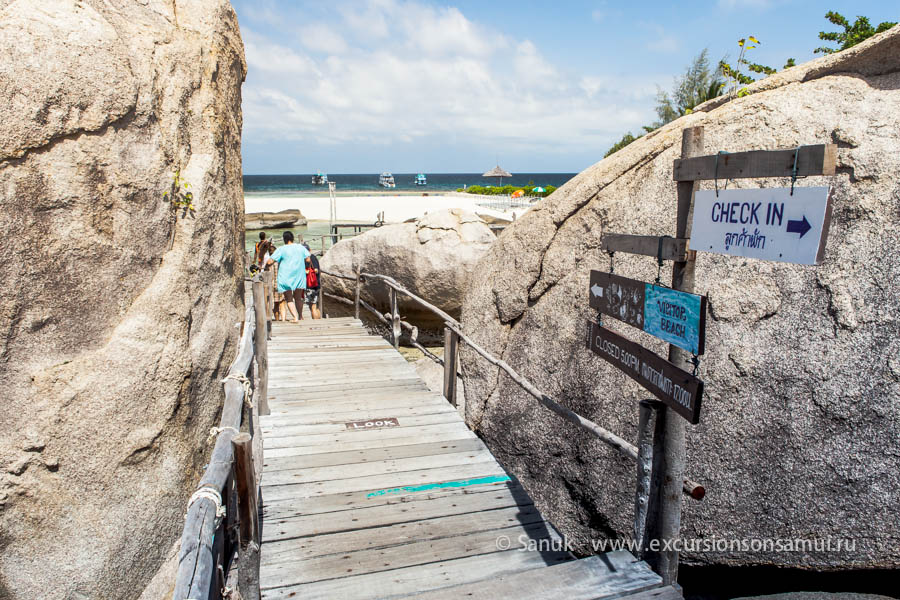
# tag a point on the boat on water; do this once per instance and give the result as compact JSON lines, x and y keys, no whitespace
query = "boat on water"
{"x":421,"y":180}
{"x":320,"y":178}
{"x":386,"y":180}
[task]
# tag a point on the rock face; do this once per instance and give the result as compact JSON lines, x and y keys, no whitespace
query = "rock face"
{"x":274,"y":220}
{"x":798,"y":437}
{"x":117,"y":313}
{"x":432,"y":257}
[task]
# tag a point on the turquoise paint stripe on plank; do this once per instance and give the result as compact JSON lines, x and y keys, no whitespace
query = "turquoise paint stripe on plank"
{"x":436,"y":486}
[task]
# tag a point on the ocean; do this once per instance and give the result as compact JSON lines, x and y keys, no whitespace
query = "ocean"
{"x":367,"y":183}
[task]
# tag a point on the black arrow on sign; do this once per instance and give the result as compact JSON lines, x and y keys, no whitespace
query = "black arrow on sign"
{"x":800,"y":227}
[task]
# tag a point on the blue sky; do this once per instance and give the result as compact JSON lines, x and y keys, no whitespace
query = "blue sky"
{"x":363,"y":86}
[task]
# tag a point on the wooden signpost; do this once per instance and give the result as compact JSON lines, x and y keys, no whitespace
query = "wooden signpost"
{"x":680,"y":390}
{"x":776,"y":224}
{"x":781,"y":224}
{"x":676,"y":317}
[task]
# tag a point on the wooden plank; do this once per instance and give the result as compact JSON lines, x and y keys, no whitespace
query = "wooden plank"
{"x":364,"y":383}
{"x":609,"y":576}
{"x":373,"y":468}
{"x":356,"y":413}
{"x":284,"y":430}
{"x":645,"y":245}
{"x":291,"y":398}
{"x":332,"y":504}
{"x":376,"y":538}
{"x":410,"y":580}
{"x":403,"y":401}
{"x":386,"y":481}
{"x":371,"y":455}
{"x":661,"y":593}
{"x":394,"y":557}
{"x":811,"y":160}
{"x":390,"y":514}
{"x":433,"y":433}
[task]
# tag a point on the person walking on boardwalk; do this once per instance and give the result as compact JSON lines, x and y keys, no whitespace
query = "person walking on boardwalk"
{"x":292,"y":260}
{"x":313,"y":284}
{"x":260,"y":249}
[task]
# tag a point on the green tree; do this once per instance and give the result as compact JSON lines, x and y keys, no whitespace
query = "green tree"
{"x":860,"y":30}
{"x":698,"y":84}
{"x":626,"y":139}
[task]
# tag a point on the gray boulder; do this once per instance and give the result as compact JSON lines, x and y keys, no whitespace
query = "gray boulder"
{"x":798,"y":437}
{"x":433,"y":257}
{"x":117,"y":311}
{"x":274,"y":220}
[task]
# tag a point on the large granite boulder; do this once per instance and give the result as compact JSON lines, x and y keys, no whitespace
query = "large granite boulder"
{"x":433,"y":257}
{"x":798,"y":437}
{"x":117,"y":311}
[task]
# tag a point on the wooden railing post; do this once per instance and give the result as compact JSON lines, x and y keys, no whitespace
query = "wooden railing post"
{"x":260,"y":345}
{"x":451,"y":343}
{"x":321,"y":300}
{"x":646,"y":493}
{"x":269,"y":282}
{"x":665,"y":521}
{"x":245,"y":481}
{"x":395,"y":320}
{"x":356,"y":295}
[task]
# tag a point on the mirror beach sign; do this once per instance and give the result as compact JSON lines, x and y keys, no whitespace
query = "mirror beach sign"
{"x":676,"y":317}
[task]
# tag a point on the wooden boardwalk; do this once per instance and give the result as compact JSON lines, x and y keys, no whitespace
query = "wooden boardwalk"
{"x":415,"y":507}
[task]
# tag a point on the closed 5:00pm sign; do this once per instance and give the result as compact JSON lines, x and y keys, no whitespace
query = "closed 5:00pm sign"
{"x":768,"y":223}
{"x":680,"y":390}
{"x":676,"y":317}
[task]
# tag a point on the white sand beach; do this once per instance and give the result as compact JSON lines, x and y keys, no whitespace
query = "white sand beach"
{"x":396,"y":208}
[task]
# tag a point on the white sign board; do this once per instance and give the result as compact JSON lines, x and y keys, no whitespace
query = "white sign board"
{"x":766,"y":223}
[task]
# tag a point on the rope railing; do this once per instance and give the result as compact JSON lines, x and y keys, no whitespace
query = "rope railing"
{"x":691,"y":488}
{"x":220,"y":540}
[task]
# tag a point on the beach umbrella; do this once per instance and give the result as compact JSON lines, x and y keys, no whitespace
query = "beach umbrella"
{"x":518,"y":193}
{"x":539,"y":190}
{"x":499,"y":173}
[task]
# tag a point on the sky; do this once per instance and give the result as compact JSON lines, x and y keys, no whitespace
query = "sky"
{"x":364,"y":86}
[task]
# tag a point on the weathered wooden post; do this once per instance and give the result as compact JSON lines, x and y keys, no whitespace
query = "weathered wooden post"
{"x":269,"y":281}
{"x":245,"y":481}
{"x":644,"y":491}
{"x":395,"y":320}
{"x":260,"y":345}
{"x":321,"y":300}
{"x":451,"y":344}
{"x":664,"y":522}
{"x":356,"y":295}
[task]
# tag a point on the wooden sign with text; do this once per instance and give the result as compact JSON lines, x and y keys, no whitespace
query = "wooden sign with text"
{"x":677,"y":388}
{"x":676,"y":317}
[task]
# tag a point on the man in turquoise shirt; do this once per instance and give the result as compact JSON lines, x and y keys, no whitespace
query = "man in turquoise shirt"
{"x":292,"y":260}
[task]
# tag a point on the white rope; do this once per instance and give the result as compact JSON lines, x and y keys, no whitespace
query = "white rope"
{"x":215,"y":431}
{"x":242,"y":379}
{"x":210,"y":494}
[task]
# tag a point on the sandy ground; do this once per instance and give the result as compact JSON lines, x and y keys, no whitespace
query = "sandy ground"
{"x":366,"y":208}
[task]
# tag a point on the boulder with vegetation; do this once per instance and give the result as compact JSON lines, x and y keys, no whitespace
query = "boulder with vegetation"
{"x":118,"y":291}
{"x":798,"y":436}
{"x":432,"y":257}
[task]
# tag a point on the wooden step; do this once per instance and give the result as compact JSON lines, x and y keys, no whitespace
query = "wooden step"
{"x":610,"y":575}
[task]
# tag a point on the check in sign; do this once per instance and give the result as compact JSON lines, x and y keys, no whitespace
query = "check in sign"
{"x":766,"y":223}
{"x":676,"y":317}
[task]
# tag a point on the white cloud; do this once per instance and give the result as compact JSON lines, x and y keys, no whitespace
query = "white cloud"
{"x":660,"y":39}
{"x":403,"y":72}
{"x":322,"y":38}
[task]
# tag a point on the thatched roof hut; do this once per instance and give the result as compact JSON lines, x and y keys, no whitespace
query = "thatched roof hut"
{"x":498,"y":172}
